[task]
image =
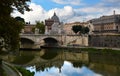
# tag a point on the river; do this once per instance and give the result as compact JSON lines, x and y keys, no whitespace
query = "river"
{"x":54,"y":62}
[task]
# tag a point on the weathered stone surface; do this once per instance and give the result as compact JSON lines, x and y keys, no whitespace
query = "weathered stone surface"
{"x":104,"y":40}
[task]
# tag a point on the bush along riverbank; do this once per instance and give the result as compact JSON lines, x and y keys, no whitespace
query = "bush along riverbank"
{"x":24,"y":72}
{"x":103,"y":51}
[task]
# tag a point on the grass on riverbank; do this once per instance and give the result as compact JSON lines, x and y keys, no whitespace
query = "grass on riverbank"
{"x":25,"y":72}
{"x":106,"y":51}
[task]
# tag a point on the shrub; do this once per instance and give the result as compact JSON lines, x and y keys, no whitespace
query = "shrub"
{"x":25,"y":72}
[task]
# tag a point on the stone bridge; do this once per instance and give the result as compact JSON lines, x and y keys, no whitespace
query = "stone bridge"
{"x":37,"y":40}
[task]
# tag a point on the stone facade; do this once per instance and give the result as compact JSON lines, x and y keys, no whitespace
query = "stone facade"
{"x":68,"y":27}
{"x":107,"y":24}
{"x":104,"y":41}
{"x":28,"y":29}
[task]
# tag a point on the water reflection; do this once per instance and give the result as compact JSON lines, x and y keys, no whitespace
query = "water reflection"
{"x":66,"y":70}
{"x":54,"y":62}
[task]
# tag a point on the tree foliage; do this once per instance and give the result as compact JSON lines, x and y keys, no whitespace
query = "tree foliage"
{"x":41,"y":27}
{"x":76,"y":28}
{"x":9,"y":26}
{"x":9,"y":32}
{"x":25,"y":72}
{"x":87,"y":30}
{"x":80,"y":29}
{"x":20,"y":19}
{"x":7,"y":6}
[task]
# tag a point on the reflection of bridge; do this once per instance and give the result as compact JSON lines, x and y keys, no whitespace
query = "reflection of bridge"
{"x":37,"y":40}
{"x":106,"y":64}
{"x":57,"y":60}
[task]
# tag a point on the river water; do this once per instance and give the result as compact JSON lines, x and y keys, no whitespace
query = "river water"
{"x":54,"y":62}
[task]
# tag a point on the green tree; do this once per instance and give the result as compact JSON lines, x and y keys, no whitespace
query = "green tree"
{"x":9,"y":26}
{"x":7,"y":6}
{"x":41,"y":27}
{"x":87,"y":30}
{"x":10,"y":33}
{"x":20,"y":19}
{"x":76,"y":28}
{"x":81,"y":29}
{"x":25,"y":72}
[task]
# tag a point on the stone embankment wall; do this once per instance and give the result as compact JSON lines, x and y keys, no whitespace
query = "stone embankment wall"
{"x":77,"y":40}
{"x":104,"y":41}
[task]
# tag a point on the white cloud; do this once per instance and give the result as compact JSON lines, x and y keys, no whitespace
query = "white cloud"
{"x":72,"y":2}
{"x":37,"y":14}
{"x":66,"y":14}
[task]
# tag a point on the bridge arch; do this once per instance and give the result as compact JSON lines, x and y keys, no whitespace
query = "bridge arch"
{"x":26,"y":43}
{"x":50,"y":41}
{"x":22,"y":40}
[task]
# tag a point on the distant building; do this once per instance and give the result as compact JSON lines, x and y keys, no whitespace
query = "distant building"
{"x":107,"y":24}
{"x":53,"y":25}
{"x":68,"y":27}
{"x":28,"y":29}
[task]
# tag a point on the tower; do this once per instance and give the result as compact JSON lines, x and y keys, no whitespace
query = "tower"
{"x":114,"y":12}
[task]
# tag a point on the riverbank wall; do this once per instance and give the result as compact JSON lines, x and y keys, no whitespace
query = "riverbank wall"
{"x":112,"y":41}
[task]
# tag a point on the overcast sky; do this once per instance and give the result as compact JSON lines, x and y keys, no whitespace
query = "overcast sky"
{"x":69,"y":10}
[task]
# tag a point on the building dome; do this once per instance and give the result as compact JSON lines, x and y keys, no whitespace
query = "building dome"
{"x":55,"y":18}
